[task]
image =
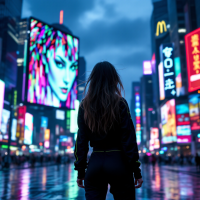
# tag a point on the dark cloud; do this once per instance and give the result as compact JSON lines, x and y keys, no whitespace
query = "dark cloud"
{"x":107,"y":31}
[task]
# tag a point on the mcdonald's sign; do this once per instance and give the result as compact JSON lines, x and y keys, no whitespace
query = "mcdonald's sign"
{"x":161,"y":28}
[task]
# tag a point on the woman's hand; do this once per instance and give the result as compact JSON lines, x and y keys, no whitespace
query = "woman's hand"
{"x":138,"y":183}
{"x":80,"y":183}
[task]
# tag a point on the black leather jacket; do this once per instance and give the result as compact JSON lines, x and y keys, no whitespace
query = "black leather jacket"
{"x":121,"y":136}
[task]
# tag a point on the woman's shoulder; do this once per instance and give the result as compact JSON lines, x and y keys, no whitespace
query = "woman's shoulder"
{"x":123,"y":102}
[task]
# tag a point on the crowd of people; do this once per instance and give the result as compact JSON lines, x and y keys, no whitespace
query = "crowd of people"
{"x":32,"y":160}
{"x":173,"y":159}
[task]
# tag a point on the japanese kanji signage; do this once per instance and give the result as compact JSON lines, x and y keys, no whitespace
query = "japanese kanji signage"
{"x":167,"y":59}
{"x":192,"y":45}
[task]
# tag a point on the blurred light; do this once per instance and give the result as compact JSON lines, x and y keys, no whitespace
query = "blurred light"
{"x":4,"y":146}
{"x":21,"y":104}
{"x":139,"y":151}
{"x":137,"y":110}
{"x":23,"y":147}
{"x":61,"y":16}
{"x":198,"y":91}
{"x":6,"y":153}
{"x":187,"y":147}
{"x":164,"y":148}
{"x":168,"y":26}
{"x":144,"y":151}
{"x":46,"y":144}
{"x":150,"y":109}
{"x":147,"y":69}
{"x":40,"y":144}
{"x":157,"y":153}
{"x":181,"y":41}
{"x":148,"y":154}
{"x":161,"y":152}
{"x":198,"y":135}
{"x":182,"y":30}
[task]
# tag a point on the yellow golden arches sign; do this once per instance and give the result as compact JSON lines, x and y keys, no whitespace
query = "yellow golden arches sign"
{"x":161,"y":26}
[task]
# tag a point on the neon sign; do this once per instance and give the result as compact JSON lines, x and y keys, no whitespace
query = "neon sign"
{"x":193,"y":59}
{"x":138,"y":114}
{"x":167,"y":58}
{"x":147,"y":69}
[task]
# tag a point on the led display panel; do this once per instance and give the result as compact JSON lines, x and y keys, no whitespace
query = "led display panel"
{"x":2,"y":91}
{"x":177,"y":65}
{"x":44,"y":122}
{"x":5,"y":125}
{"x":183,"y":134}
{"x":60,"y":114}
{"x":192,"y":47}
{"x":168,"y":120}
{"x":154,"y":139}
{"x":182,"y":114}
{"x":194,"y":111}
{"x":52,"y":66}
{"x":167,"y":58}
{"x":28,"y":129}
{"x":147,"y":69}
{"x":137,"y":114}
{"x":21,"y":123}
{"x":14,"y":129}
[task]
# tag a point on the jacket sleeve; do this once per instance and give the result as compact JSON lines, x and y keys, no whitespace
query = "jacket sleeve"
{"x":129,"y":144}
{"x":81,"y":146}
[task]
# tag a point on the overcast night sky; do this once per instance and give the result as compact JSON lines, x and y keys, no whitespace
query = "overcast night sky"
{"x":113,"y":30}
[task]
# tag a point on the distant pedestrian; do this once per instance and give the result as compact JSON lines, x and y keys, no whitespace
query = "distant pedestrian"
{"x":105,"y":122}
{"x":197,"y":161}
{"x":153,"y":160}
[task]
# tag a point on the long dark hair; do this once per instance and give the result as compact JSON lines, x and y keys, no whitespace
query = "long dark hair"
{"x":101,"y":103}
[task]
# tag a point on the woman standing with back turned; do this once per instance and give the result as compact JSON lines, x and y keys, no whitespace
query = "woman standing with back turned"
{"x":104,"y":120}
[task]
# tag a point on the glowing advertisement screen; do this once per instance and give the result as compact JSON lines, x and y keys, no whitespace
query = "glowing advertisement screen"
{"x":192,"y":47}
{"x":183,"y":134}
{"x":147,"y":69}
{"x":2,"y":90}
{"x":52,"y":66}
{"x":154,"y":139}
{"x":177,"y":65}
{"x":14,"y":129}
{"x":168,"y":120}
{"x":44,"y":122}
{"x":28,"y":133}
{"x":182,"y":114}
{"x":194,"y":109}
{"x":138,"y":114}
{"x":4,"y":125}
{"x":167,"y":58}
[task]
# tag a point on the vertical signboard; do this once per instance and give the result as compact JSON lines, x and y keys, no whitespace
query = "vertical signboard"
{"x":167,"y":58}
{"x":21,"y":123}
{"x":28,"y":129}
{"x":177,"y":66}
{"x":161,"y":81}
{"x":2,"y":90}
{"x":192,"y":47}
{"x":138,"y":114}
{"x":154,"y":139}
{"x":194,"y":110}
{"x":47,"y":138}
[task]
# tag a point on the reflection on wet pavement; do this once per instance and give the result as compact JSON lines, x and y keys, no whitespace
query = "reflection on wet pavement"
{"x":59,"y":183}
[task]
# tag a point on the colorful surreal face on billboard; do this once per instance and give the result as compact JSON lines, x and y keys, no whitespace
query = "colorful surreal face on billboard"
{"x":52,"y":67}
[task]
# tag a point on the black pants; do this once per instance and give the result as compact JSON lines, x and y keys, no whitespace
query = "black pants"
{"x":108,"y":168}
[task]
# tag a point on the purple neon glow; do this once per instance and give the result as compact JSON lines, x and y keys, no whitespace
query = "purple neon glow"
{"x":23,"y":86}
{"x":147,"y":69}
{"x":2,"y":90}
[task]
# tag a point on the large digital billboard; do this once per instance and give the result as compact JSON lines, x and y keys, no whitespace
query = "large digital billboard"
{"x":167,"y":59}
{"x":192,"y":47}
{"x":194,"y":109}
{"x":168,"y":120}
{"x":52,"y":66}
{"x":184,"y":134}
{"x":28,"y":129}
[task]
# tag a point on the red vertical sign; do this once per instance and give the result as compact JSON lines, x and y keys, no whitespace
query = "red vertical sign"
{"x":192,"y":44}
{"x":21,"y":122}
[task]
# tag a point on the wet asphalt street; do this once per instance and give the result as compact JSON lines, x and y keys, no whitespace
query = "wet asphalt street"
{"x":165,"y":182}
